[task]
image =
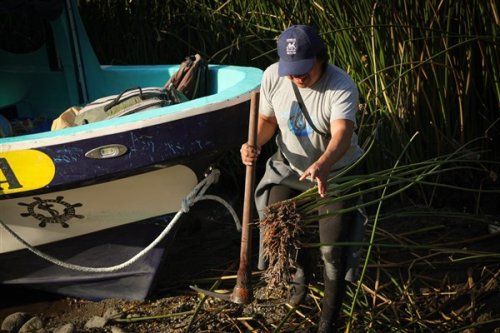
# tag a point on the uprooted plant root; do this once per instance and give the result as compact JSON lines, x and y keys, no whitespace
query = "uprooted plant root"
{"x":282,"y":231}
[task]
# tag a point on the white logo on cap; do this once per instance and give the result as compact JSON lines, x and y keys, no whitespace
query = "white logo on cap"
{"x":291,"y":46}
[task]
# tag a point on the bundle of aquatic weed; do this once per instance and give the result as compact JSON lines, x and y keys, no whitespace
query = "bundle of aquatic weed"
{"x":281,"y":241}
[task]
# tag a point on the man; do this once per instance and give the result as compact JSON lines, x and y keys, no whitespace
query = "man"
{"x":309,"y":150}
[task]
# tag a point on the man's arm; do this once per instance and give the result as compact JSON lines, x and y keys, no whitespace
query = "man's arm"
{"x":266,"y":128}
{"x":341,"y":131}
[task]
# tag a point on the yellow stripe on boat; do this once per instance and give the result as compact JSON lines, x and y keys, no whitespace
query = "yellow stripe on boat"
{"x":25,"y":170}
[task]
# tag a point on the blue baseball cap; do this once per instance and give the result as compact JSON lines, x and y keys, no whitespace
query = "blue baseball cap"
{"x":298,"y":46}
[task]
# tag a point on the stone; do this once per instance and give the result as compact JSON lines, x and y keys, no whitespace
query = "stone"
{"x":67,"y":328}
{"x":13,"y":322}
{"x":96,"y":322}
{"x":112,"y":313}
{"x":116,"y":329}
{"x":33,"y":325}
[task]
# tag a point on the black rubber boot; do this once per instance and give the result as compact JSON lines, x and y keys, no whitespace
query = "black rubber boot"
{"x":333,"y":297}
{"x":326,"y":326}
{"x":330,"y":310}
{"x":298,"y":289}
{"x":300,"y":282}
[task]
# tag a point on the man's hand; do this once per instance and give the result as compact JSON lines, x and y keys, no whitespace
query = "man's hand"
{"x":319,"y":174}
{"x":249,"y":154}
{"x":341,"y":133}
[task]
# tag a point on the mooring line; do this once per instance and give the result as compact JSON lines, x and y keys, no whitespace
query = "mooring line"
{"x":197,"y":194}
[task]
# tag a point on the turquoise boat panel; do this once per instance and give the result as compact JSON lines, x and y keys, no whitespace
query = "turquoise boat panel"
{"x":242,"y":80}
{"x":44,"y":84}
{"x":27,"y":82}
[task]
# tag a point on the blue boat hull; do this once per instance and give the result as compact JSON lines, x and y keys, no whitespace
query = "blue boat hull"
{"x":182,"y":141}
{"x":87,"y":194}
{"x":106,"y":248}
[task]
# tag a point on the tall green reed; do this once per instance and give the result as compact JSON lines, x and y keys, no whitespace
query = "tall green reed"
{"x":421,"y":66}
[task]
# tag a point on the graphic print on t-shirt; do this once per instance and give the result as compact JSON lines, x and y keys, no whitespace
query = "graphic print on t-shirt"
{"x":297,"y":122}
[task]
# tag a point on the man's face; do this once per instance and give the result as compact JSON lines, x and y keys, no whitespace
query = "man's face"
{"x":308,"y":79}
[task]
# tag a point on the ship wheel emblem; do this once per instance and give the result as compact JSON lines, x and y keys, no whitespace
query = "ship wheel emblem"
{"x":51,"y":211}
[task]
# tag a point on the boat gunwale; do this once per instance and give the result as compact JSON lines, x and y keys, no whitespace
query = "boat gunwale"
{"x":236,"y":94}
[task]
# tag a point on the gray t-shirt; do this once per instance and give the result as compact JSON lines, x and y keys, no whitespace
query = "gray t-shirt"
{"x":333,"y":97}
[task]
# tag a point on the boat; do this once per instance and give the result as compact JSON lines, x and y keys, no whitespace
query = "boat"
{"x":95,"y":195}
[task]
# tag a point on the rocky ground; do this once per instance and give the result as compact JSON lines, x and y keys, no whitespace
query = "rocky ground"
{"x":206,"y":254}
{"x":182,"y":313}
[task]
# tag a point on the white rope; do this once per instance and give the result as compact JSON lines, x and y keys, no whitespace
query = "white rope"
{"x":197,"y":194}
